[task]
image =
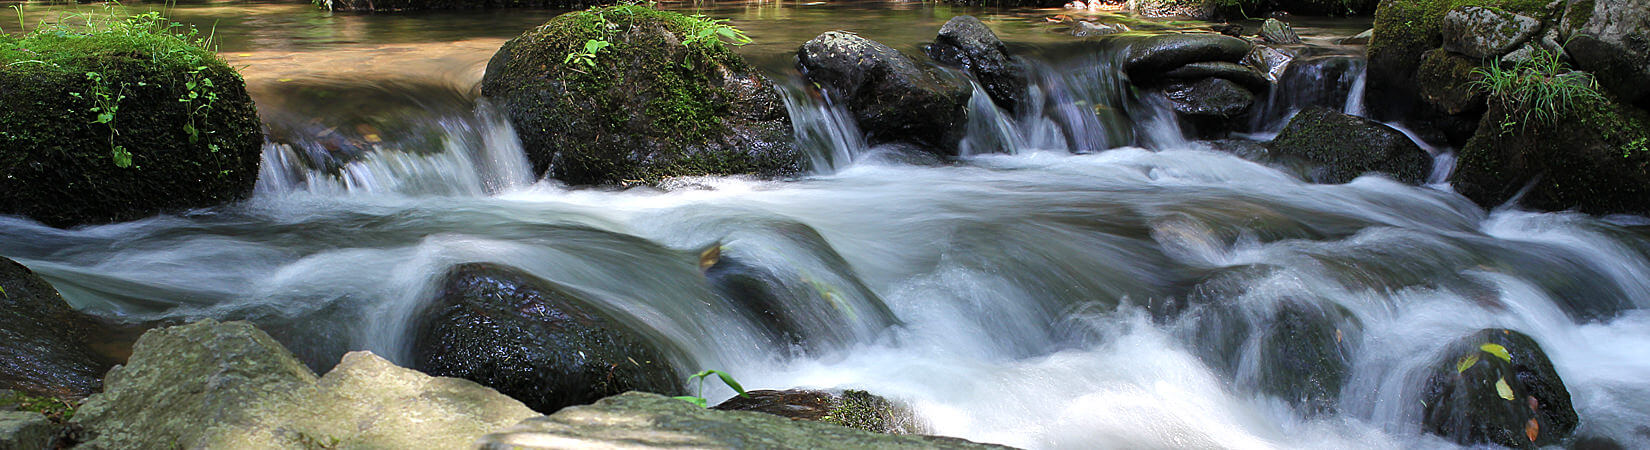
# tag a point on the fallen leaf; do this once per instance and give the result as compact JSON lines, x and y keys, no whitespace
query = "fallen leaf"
{"x":1502,"y":389}
{"x":1465,"y":363}
{"x":1532,"y":429}
{"x":709,"y":257}
{"x":373,"y":138}
{"x":1497,"y":350}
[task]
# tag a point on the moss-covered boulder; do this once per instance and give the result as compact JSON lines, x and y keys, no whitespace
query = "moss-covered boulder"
{"x":1405,"y":30}
{"x":45,"y":345}
{"x":1448,"y":82}
{"x":849,"y":408}
{"x":1611,"y":39}
{"x":534,"y":340}
{"x":379,"y":6}
{"x":1344,"y":147}
{"x":1496,"y":386}
{"x":120,"y":123}
{"x":628,"y":93}
{"x":1593,"y":156}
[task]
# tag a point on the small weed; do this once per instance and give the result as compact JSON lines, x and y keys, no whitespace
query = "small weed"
{"x":700,"y":399}
{"x":1538,"y":90}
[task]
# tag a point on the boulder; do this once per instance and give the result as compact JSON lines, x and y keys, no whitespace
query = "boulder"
{"x":1346,"y":146}
{"x":1152,"y":55}
{"x":1238,"y":73}
{"x":113,"y":126}
{"x":1496,"y":386}
{"x":850,"y":408}
{"x":892,"y":98}
{"x":1216,"y":98}
{"x":1274,"y":31}
{"x":1271,"y":61}
{"x":45,"y":345}
{"x":967,"y":43}
{"x":1447,"y":82}
{"x":655,"y":102}
{"x":534,"y":340}
{"x":229,"y":385}
{"x":1305,"y":356}
{"x":1611,"y":39}
{"x":1485,"y":33}
{"x":1404,"y":31}
{"x":381,"y":6}
{"x":1196,"y":9}
{"x":641,"y":420}
{"x":26,"y":430}
{"x":1593,"y":157}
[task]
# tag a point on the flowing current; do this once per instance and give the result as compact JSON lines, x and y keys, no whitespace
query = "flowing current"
{"x":1040,"y":292}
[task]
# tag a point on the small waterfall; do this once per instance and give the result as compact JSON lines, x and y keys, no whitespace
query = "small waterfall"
{"x":989,"y":129}
{"x":1331,"y":81}
{"x":825,"y":130}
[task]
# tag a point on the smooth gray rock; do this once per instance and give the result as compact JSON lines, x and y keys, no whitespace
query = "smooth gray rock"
{"x":636,"y":420}
{"x":26,"y":430}
{"x":1485,"y":32}
{"x":1359,"y":39}
{"x":1274,"y":31}
{"x":1271,"y":61}
{"x":1611,"y":40}
{"x":893,"y":99}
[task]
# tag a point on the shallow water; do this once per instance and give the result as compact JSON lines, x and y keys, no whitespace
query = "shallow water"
{"x":1027,"y":282}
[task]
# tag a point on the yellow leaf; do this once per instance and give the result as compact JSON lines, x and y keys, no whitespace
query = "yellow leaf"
{"x":1464,"y":363}
{"x":373,"y":138}
{"x":1502,"y":389}
{"x":709,"y":257}
{"x":1497,"y":350}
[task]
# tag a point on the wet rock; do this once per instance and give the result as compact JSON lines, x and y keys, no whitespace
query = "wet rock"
{"x":44,"y":344}
{"x":1271,"y":61}
{"x":640,"y":420}
{"x":1447,"y":82}
{"x":1358,"y":39}
{"x":1306,"y":356}
{"x":26,"y":430}
{"x":1153,"y":55}
{"x":534,"y":340}
{"x":1200,"y":10}
{"x":1325,"y":81}
{"x":1274,"y":31}
{"x":1083,"y":28}
{"x":1347,"y":146}
{"x":893,"y":99}
{"x":1485,"y":33}
{"x":382,"y":6}
{"x":1496,"y":386}
{"x":1210,"y":98}
{"x":1611,"y":39}
{"x":1238,"y":73}
{"x":1592,"y":157}
{"x":850,"y":408}
{"x":645,"y":108}
{"x":967,"y":43}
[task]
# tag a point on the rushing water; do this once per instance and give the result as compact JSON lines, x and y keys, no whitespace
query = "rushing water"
{"x":1017,"y":296}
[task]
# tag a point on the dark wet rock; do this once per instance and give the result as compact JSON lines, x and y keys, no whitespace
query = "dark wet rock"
{"x":967,"y":43}
{"x":534,"y":340}
{"x":1347,"y":146}
{"x":1210,"y":98}
{"x":1593,"y":157}
{"x":45,"y":345}
{"x":1152,"y":55}
{"x":1271,"y":61}
{"x":1241,"y":74}
{"x":639,"y":420}
{"x":646,"y":108}
{"x":1326,"y":81}
{"x":1496,"y":386}
{"x":850,"y":408}
{"x":1306,"y":356}
{"x":1484,"y":33}
{"x":1243,"y":148}
{"x":1447,"y":82}
{"x":58,"y":164}
{"x":892,"y":98}
{"x":380,"y":6}
{"x":1611,"y":39}
{"x":1274,"y":31}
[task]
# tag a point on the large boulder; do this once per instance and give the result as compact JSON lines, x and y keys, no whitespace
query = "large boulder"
{"x":892,"y":98}
{"x":850,"y":408}
{"x":1149,"y":56}
{"x":628,"y":94}
{"x":112,"y":126}
{"x":640,"y":420}
{"x":1346,"y":146}
{"x":1593,"y":157}
{"x":26,"y":430}
{"x":535,"y":340}
{"x":1611,"y":39}
{"x":1449,"y":82}
{"x":229,"y":385}
{"x":1483,"y":33}
{"x":1496,"y":386}
{"x":1404,"y":32}
{"x":45,"y":345}
{"x":966,"y":42}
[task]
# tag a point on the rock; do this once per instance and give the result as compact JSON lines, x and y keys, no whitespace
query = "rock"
{"x":534,"y":340}
{"x":649,"y":106}
{"x":967,"y":43}
{"x":1333,"y":8}
{"x":1274,"y":31}
{"x":1242,"y":75}
{"x":1269,"y":60}
{"x":1358,"y":39}
{"x":1348,"y":146}
{"x":1083,"y":28}
{"x":1325,"y":81}
{"x":850,"y":408}
{"x":1592,"y":157}
{"x":26,"y":430}
{"x":1447,"y":82}
{"x":1210,"y":98}
{"x":892,"y":98}
{"x":1306,"y":356}
{"x":59,"y":165}
{"x":229,"y":385}
{"x":1152,"y":55}
{"x":1496,"y":386}
{"x":45,"y":344}
{"x":380,"y":6}
{"x":1404,"y":31}
{"x":1199,"y":10}
{"x":641,"y":420}
{"x":1611,"y":39}
{"x":1485,"y":33}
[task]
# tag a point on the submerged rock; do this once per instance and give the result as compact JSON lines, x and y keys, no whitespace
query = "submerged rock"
{"x":1593,"y":156}
{"x":892,"y":98}
{"x":1306,"y":356}
{"x":1496,"y":386}
{"x":967,"y":43}
{"x":853,"y":409}
{"x":1346,"y":146}
{"x":640,"y":420}
{"x":45,"y":344}
{"x":113,"y":126}
{"x":655,"y":102}
{"x":534,"y":340}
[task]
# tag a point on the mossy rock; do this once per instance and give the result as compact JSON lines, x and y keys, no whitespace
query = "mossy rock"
{"x":57,"y":163}
{"x":427,"y":5}
{"x":1345,"y":146}
{"x":1447,"y":82}
{"x":1593,"y":157}
{"x":850,"y":408}
{"x":1404,"y":31}
{"x":656,"y":103}
{"x":1497,"y":386}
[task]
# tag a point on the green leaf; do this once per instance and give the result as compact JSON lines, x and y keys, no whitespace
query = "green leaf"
{"x":1464,"y":363}
{"x":1497,"y":350}
{"x":1503,"y":390}
{"x":105,"y":117}
{"x":694,"y":400}
{"x":123,"y":158}
{"x":728,"y":379}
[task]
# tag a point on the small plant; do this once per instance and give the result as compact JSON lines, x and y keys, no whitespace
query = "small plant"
{"x":1536,"y":90}
{"x":58,"y":410}
{"x":588,"y":56}
{"x":700,"y":399}
{"x":698,"y":31}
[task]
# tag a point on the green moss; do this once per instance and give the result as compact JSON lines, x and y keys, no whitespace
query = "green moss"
{"x":1580,"y":13}
{"x":56,"y":409}
{"x":1591,"y":156}
{"x":1404,"y":29}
